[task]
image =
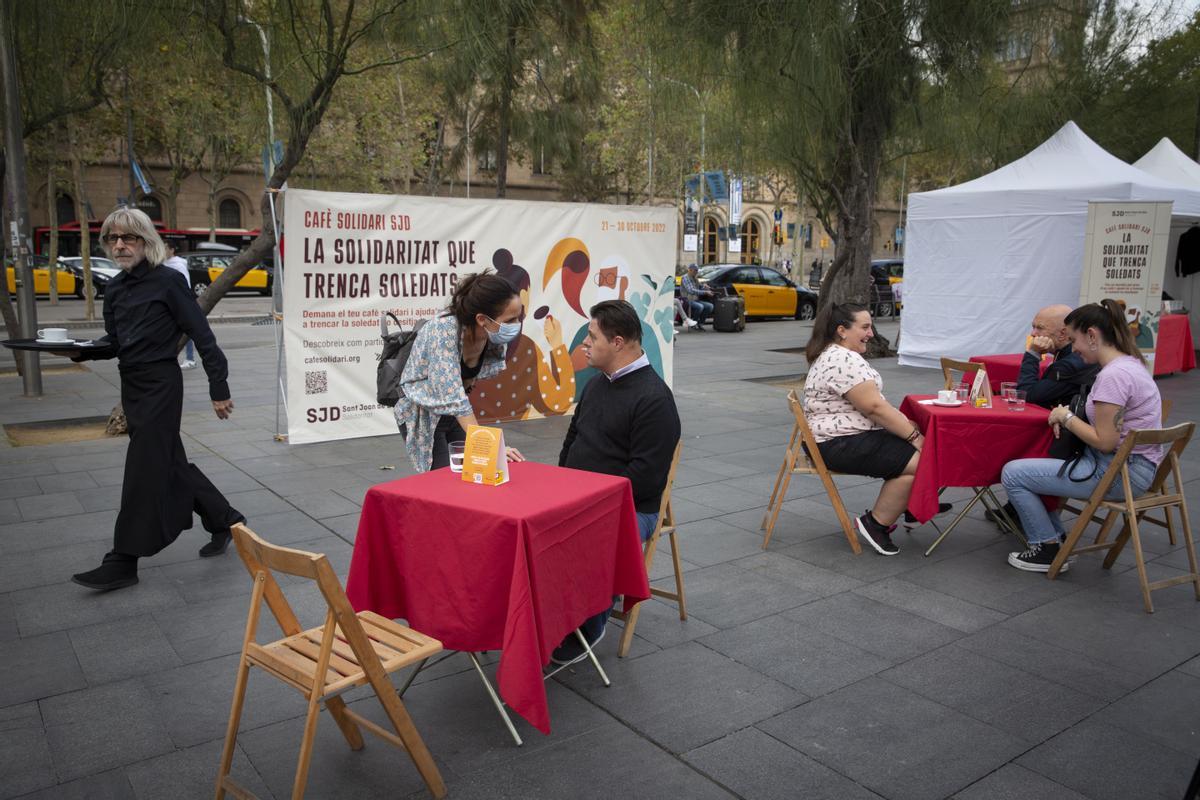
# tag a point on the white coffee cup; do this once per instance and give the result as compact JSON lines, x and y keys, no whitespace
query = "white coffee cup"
{"x":53,"y":334}
{"x":947,"y":396}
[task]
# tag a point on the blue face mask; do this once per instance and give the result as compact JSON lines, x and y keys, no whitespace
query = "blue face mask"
{"x":508,"y":331}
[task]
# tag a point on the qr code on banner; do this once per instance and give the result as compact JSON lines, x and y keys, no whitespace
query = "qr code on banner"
{"x":316,"y":382}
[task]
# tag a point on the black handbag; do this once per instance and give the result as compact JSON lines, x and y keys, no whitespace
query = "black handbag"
{"x":1069,"y":447}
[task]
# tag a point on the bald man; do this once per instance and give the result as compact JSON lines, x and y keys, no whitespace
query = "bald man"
{"x":1062,"y":379}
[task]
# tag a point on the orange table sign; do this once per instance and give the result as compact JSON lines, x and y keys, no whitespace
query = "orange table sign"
{"x":484,"y":458}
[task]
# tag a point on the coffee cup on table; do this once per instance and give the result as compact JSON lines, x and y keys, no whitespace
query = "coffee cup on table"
{"x":947,"y":396}
{"x":53,"y":334}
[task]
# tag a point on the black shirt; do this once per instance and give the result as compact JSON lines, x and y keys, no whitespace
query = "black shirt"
{"x":625,"y":427}
{"x":146,"y":310}
{"x":1061,"y":380}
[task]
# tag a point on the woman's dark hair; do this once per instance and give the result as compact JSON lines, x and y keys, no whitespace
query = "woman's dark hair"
{"x":1108,"y":317}
{"x":482,"y":293}
{"x":617,"y":318}
{"x":825,"y":326}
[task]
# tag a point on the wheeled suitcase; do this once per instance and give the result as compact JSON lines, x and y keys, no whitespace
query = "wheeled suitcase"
{"x":729,"y":314}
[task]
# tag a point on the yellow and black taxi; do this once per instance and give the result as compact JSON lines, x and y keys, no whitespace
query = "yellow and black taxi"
{"x":767,"y":292}
{"x":205,"y":266}
{"x":63,"y":277}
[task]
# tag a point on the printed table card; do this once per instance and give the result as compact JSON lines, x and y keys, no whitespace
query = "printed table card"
{"x":484,"y":459}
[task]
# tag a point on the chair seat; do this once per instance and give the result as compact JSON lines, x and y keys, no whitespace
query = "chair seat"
{"x":293,"y":659}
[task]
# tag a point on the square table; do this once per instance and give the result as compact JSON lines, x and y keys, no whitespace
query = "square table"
{"x":514,"y":568}
{"x":1173,"y":350}
{"x":968,"y":446}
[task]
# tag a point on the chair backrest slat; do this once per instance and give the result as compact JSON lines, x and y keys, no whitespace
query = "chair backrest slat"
{"x":949,"y":365}
{"x":807,"y":439}
{"x":665,"y":517}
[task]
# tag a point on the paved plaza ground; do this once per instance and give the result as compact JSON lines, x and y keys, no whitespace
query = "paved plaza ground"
{"x":803,"y":671}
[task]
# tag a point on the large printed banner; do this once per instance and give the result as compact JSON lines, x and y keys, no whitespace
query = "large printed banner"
{"x":1125,"y":257}
{"x":351,"y":257}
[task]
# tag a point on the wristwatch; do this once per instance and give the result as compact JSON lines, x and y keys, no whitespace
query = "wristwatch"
{"x":1070,"y":416}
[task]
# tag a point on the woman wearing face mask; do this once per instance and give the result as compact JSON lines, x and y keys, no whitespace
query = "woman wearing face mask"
{"x":450,"y":353}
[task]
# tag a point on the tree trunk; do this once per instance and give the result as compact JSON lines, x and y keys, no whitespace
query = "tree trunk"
{"x":52,"y":211}
{"x":85,"y":231}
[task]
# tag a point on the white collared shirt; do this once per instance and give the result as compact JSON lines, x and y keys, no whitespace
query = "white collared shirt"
{"x":641,"y":361}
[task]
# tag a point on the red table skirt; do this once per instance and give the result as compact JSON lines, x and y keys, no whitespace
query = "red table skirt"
{"x":513,"y":568}
{"x":967,"y":446}
{"x":1173,"y":350}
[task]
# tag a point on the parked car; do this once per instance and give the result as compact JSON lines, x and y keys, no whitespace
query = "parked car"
{"x":41,"y":278}
{"x":205,"y":266}
{"x":893,"y":267}
{"x":767,"y":293}
{"x":884,"y":280}
{"x":103,"y":271}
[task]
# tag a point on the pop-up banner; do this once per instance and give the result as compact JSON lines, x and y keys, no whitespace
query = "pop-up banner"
{"x":1125,"y":257}
{"x":351,"y":257}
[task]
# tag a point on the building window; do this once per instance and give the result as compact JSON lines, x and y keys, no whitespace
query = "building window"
{"x":64,"y":207}
{"x":486,"y":162}
{"x":229,"y":213}
{"x":750,"y":241}
{"x":152,"y":206}
{"x":709,"y":254}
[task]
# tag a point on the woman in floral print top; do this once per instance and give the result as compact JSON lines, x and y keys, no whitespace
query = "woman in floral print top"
{"x":450,"y":353}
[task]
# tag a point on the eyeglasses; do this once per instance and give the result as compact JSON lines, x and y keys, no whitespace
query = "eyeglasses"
{"x":126,"y":238}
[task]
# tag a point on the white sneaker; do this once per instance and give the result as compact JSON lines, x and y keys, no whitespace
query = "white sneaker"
{"x":189,"y":364}
{"x":691,"y":323}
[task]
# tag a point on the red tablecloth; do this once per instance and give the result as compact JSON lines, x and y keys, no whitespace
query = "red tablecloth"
{"x":967,"y":446}
{"x":513,"y":568}
{"x":1005,"y":368}
{"x":1173,"y":351}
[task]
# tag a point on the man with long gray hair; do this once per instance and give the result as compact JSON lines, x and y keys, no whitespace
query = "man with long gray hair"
{"x":146,"y":311}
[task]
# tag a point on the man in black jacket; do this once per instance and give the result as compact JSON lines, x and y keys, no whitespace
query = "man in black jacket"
{"x":626,"y":424}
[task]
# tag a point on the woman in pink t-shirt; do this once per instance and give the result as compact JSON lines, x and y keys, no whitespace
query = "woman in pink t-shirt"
{"x":1124,"y":398}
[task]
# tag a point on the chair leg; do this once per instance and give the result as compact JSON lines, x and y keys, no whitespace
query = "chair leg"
{"x":235,"y":716}
{"x":393,"y":706}
{"x":1189,"y":544}
{"x":789,"y":462}
{"x":678,"y":577}
{"x":306,"y":744}
{"x":626,"y":640}
{"x":779,"y":478}
{"x":839,"y":508}
{"x":337,"y":710}
{"x":1141,"y":564}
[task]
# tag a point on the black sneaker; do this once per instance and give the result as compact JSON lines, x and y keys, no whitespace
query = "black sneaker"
{"x":115,"y":572}
{"x":571,"y":650}
{"x":216,"y":545}
{"x":1010,"y":510}
{"x":911,"y":522}
{"x":878,"y":536}
{"x":1037,"y":558}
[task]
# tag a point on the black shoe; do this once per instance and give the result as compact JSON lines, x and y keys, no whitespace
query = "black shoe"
{"x":878,"y":536}
{"x":911,"y":522}
{"x":1010,"y":510}
{"x":217,"y":546}
{"x":1037,"y":558}
{"x":571,"y":650}
{"x":115,"y":573}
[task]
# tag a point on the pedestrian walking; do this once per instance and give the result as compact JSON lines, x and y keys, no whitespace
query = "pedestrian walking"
{"x":176,"y":262}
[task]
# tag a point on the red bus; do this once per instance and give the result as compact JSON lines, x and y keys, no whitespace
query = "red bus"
{"x":185,"y":239}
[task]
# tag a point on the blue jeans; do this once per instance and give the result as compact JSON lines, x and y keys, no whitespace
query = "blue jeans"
{"x":1026,"y":478}
{"x":699,"y":310}
{"x":190,"y":351}
{"x":592,"y":626}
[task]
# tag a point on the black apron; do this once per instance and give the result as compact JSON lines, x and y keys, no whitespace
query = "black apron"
{"x":161,"y":489}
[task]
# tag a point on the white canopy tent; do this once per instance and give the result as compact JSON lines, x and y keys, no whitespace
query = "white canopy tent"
{"x":982,"y":257}
{"x":1170,"y":163}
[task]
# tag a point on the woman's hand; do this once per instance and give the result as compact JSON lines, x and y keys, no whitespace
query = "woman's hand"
{"x":223,"y":408}
{"x":513,"y":454}
{"x":1058,"y":415}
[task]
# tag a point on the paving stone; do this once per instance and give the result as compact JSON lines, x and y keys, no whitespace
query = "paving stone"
{"x":886,"y":631}
{"x":832,"y":552}
{"x":38,"y":666}
{"x":93,"y":527}
{"x":8,"y":619}
{"x":9,"y":512}
{"x":894,"y":741}
{"x":1176,"y":605}
{"x":110,"y":785}
{"x":258,"y":501}
{"x":97,"y":729}
{"x":101,"y":498}
{"x":190,"y":773}
{"x":43,"y":506}
{"x":797,"y":655}
{"x":288,"y":527}
{"x":48,"y":565}
{"x":979,"y":579}
{"x":113,"y":651}
{"x":659,"y":625}
{"x":932,"y":605}
{"x":707,"y":542}
{"x":753,"y":764}
{"x":1019,"y":702}
{"x":327,"y":503}
{"x":66,"y":482}
{"x":1192,"y":667}
{"x":20,"y":487}
{"x":726,"y":596}
{"x":1012,"y":782}
{"x":670,"y":711}
{"x":24,"y":755}
{"x":1106,"y":763}
{"x":62,"y":606}
{"x":1166,"y":710}
{"x":801,"y":574}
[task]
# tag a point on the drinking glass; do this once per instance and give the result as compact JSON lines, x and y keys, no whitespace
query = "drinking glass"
{"x":1017,"y":402}
{"x":1007,"y":390}
{"x":963,"y":390}
{"x":456,"y":456}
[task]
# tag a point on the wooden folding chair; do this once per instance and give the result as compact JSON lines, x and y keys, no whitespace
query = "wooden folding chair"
{"x":349,"y":650}
{"x":1158,"y":495}
{"x":949,"y":365}
{"x":666,"y":524}
{"x":804,"y":458}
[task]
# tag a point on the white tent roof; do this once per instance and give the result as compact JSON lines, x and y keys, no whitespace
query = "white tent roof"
{"x":982,"y":257}
{"x":1170,"y":163}
{"x":1060,"y":176}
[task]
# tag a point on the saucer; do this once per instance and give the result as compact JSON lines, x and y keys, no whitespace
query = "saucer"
{"x":67,"y":342}
{"x":951,"y":404}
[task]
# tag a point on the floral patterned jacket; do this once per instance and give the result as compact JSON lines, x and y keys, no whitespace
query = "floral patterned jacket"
{"x":432,"y":386}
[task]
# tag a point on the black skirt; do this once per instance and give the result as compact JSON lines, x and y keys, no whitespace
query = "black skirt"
{"x":161,"y":489}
